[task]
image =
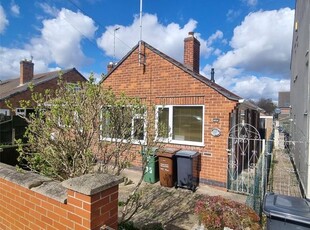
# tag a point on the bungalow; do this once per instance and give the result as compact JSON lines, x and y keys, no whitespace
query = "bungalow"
{"x":17,"y":89}
{"x":198,"y":112}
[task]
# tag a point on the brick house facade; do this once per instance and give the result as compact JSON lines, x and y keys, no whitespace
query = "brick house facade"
{"x":17,"y":89}
{"x":149,"y":74}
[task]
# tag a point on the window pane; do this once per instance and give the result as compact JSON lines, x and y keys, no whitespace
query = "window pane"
{"x":105,"y":122}
{"x":116,"y":122}
{"x":123,"y":123}
{"x":138,"y":133}
{"x":187,"y":123}
{"x":163,"y":122}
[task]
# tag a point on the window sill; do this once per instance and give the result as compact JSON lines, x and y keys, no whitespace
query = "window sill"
{"x":189,"y":143}
{"x":200,"y":144}
{"x":134,"y":142}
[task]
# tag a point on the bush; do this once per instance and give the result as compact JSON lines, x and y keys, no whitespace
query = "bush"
{"x":216,"y":212}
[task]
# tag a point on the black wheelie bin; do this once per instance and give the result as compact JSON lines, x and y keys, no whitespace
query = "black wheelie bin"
{"x":187,"y":169}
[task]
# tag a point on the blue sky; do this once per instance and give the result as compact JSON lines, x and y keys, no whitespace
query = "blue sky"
{"x":248,"y":42}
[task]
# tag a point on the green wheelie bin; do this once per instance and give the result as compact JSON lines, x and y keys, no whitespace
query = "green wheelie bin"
{"x":151,"y":173}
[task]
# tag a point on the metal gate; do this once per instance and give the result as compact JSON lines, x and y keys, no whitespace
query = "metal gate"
{"x":244,"y":148}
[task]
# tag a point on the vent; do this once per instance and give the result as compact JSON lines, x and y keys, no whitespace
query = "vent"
{"x":207,"y":154}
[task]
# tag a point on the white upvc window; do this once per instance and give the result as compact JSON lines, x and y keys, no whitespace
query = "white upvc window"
{"x":127,"y":128}
{"x":5,"y":112}
{"x":180,"y":124}
{"x":73,"y":87}
{"x":20,"y":111}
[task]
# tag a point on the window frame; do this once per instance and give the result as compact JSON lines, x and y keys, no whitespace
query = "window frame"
{"x":73,"y":86}
{"x":20,"y":111}
{"x":132,"y":131}
{"x":170,"y":124}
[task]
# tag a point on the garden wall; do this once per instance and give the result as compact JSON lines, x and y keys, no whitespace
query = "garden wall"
{"x":30,"y":201}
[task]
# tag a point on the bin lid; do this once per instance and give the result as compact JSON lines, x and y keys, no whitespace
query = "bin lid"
{"x":187,"y":153}
{"x":167,"y":152}
{"x":287,"y":208}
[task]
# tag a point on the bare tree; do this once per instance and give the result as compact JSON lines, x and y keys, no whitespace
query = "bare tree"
{"x":81,"y":128}
{"x":267,"y":105}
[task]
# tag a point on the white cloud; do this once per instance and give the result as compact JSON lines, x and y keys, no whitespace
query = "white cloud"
{"x":63,"y":35}
{"x":167,"y":38}
{"x":217,"y":52}
{"x":232,"y":14}
{"x":248,"y":86}
{"x":258,"y":62}
{"x":59,"y":44}
{"x":50,"y":10}
{"x":251,"y":2}
{"x":254,"y":87}
{"x":217,"y":35}
{"x":261,"y":43}
{"x":15,"y":9}
{"x":3,"y":20}
{"x":9,"y":61}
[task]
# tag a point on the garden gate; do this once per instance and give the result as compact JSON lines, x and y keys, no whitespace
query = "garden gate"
{"x":245,"y":147}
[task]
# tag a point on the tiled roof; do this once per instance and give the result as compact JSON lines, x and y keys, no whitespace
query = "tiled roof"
{"x":11,"y":87}
{"x":199,"y":77}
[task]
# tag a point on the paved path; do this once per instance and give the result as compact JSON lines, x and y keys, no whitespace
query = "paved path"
{"x":169,"y":207}
{"x":284,"y":181}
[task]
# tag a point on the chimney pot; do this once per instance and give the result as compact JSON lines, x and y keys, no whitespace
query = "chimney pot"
{"x":192,"y":52}
{"x":26,"y":71}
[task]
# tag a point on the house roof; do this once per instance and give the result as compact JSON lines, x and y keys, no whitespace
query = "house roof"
{"x":11,"y":87}
{"x":226,"y":93}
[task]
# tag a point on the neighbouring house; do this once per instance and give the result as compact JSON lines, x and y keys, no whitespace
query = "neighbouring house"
{"x":299,"y":97}
{"x":284,"y":104}
{"x":266,"y":125}
{"x":16,"y":89}
{"x":197,"y":112}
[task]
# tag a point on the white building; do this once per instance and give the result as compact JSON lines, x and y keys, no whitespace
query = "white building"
{"x":300,"y":93}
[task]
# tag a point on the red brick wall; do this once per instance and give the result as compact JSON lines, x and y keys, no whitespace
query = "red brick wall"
{"x":21,"y":208}
{"x":72,"y":76}
{"x":162,"y":83}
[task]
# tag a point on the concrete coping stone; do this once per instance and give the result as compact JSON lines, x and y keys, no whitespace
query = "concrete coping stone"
{"x":91,"y":184}
{"x":35,"y":182}
{"x":52,"y":189}
{"x":23,"y":178}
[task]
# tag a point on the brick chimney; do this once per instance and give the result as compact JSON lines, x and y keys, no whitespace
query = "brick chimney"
{"x":191,"y":52}
{"x":26,"y":72}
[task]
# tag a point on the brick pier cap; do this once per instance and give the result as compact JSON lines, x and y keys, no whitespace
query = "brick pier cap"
{"x":91,"y":184}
